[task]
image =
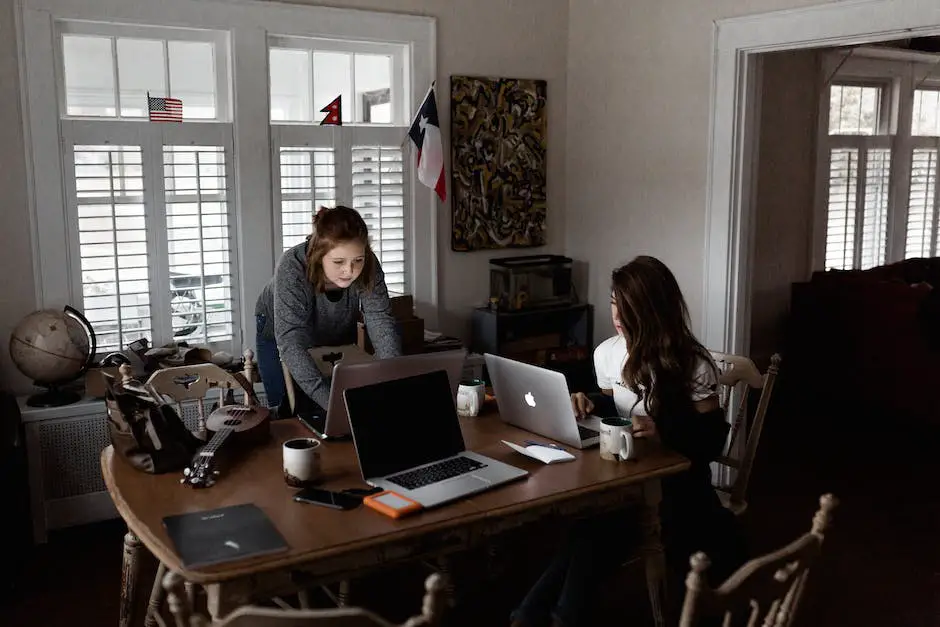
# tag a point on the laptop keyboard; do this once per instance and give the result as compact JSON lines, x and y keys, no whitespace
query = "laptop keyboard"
{"x":586,"y":433}
{"x":420,"y":477}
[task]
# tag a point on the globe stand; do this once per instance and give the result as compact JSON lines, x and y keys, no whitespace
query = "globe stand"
{"x":53,"y":397}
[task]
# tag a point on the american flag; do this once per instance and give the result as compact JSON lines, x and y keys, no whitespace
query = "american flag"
{"x":165,"y":109}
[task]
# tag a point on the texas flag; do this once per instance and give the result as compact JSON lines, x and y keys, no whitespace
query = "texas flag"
{"x":425,"y":133}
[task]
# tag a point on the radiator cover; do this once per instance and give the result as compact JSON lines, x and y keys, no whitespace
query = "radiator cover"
{"x":63,"y":448}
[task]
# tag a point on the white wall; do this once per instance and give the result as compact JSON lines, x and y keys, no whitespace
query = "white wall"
{"x":783,"y":214}
{"x":510,"y":38}
{"x":17,"y":291}
{"x":639,"y":76}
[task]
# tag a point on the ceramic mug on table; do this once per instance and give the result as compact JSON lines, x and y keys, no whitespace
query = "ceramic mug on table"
{"x":470,"y":396}
{"x":616,"y":441}
{"x":301,"y":461}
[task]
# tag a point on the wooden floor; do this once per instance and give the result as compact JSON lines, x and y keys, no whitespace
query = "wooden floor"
{"x":882,"y":563}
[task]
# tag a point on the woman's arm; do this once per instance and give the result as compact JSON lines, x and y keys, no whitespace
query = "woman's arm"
{"x":699,"y":435}
{"x":293,"y":328}
{"x":377,"y":315}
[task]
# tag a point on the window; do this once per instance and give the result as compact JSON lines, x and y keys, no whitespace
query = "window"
{"x":361,"y":163}
{"x":151,"y":216}
{"x":112,"y":241}
{"x":859,"y":172}
{"x":170,"y":231}
{"x":881,"y":168}
{"x":378,"y":195}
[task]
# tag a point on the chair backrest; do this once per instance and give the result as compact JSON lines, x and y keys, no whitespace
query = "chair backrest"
{"x":191,"y":383}
{"x":737,"y":377}
{"x":767,"y":590}
{"x":180,"y":605}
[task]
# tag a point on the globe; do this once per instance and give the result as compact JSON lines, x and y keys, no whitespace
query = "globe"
{"x":52,"y":348}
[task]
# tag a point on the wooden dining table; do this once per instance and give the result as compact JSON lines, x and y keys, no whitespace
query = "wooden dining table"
{"x":329,"y":546}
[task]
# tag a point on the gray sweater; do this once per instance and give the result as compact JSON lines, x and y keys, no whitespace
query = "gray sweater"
{"x":298,"y":319}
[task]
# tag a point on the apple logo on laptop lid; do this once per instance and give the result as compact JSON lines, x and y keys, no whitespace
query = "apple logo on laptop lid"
{"x":529,"y":399}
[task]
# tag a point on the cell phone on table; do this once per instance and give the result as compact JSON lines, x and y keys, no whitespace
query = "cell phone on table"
{"x":327,"y":498}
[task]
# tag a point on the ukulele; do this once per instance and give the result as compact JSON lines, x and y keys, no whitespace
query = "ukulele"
{"x":237,"y":424}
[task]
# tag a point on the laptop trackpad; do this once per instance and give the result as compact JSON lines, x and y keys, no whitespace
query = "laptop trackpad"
{"x":466,"y":483}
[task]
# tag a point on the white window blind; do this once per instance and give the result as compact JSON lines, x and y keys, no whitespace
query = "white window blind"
{"x":922,"y":214}
{"x":840,"y":218}
{"x":875,"y":210}
{"x":198,"y":242}
{"x":857,"y":212}
{"x":307,"y":182}
{"x":379,"y":196}
{"x":113,"y":254}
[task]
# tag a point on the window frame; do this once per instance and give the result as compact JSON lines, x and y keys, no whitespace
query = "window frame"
{"x":223,"y":107}
{"x":899,"y":73}
{"x":399,"y":73}
{"x":247,"y":24}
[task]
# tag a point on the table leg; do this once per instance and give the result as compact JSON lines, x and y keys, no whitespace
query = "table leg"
{"x":130,"y":569}
{"x":653,"y":550}
{"x":342,"y":598}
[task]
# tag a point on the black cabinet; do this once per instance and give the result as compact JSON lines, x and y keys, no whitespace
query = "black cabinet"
{"x":558,"y":338}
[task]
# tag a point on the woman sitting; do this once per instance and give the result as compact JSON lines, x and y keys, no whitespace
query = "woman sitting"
{"x":661,"y":377}
{"x":314,"y":299}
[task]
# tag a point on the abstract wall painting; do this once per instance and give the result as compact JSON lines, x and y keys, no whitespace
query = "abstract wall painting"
{"x":498,"y":153}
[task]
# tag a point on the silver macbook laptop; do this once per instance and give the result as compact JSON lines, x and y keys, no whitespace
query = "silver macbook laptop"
{"x":335,"y":424}
{"x":537,"y":400}
{"x":408,"y":440}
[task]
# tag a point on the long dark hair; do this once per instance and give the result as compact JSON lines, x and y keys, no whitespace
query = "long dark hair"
{"x":333,"y":226}
{"x":663,"y":354}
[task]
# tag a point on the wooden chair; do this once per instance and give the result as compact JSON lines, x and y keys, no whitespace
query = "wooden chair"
{"x":252,"y":616}
{"x":770,"y":586}
{"x":189,"y":385}
{"x":738,"y":376}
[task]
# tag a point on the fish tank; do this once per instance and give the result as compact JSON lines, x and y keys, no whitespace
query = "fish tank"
{"x":531,"y":282}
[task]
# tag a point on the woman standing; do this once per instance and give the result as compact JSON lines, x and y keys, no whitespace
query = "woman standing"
{"x":314,"y":299}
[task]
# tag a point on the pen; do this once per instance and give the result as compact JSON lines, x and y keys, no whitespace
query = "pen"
{"x":547,"y":444}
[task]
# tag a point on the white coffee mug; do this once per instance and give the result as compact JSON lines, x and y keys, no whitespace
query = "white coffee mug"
{"x":616,"y":441}
{"x":470,"y":397}
{"x":301,"y":461}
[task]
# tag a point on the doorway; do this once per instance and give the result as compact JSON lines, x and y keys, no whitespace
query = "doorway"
{"x":734,"y":134}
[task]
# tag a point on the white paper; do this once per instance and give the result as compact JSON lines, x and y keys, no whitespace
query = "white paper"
{"x":544,"y":454}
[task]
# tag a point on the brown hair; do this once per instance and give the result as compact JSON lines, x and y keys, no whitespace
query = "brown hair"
{"x":333,"y":226}
{"x":663,"y":354}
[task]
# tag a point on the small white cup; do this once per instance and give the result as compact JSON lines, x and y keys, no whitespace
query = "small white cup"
{"x":616,"y":441}
{"x":470,"y":396}
{"x":301,"y":461}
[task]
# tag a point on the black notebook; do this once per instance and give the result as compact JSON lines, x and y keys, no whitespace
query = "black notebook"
{"x":223,"y":535}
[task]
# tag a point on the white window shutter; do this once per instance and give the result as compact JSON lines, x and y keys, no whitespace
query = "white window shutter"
{"x":840,"y":218}
{"x":378,"y":191}
{"x":922,"y":232}
{"x":198,"y":242}
{"x":875,"y":211}
{"x":307,"y":181}
{"x":107,"y":199}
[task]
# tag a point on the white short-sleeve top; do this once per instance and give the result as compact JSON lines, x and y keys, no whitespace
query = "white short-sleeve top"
{"x":609,"y":359}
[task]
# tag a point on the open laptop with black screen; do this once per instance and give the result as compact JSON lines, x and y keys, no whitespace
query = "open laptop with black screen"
{"x":408,"y":440}
{"x":334,"y":422}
